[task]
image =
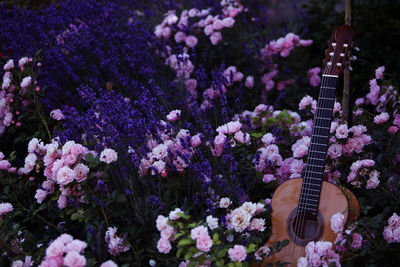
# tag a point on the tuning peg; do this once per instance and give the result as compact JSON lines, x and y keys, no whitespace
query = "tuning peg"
{"x":353,"y":58}
{"x":350,"y":68}
{"x":356,"y":48}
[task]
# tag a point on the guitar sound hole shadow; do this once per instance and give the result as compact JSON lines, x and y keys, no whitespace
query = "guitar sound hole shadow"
{"x":303,"y":227}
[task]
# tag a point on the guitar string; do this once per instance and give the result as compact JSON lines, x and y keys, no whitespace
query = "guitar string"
{"x":325,"y":85}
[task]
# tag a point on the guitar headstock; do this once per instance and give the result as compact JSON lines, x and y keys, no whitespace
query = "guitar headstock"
{"x":337,"y":54}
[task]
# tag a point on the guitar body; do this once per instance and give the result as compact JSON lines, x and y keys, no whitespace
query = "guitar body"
{"x":284,"y":204}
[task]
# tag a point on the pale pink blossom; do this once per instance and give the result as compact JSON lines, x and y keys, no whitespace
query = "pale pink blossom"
{"x":335,"y":151}
{"x":257,"y":224}
{"x":381,"y":118}
{"x":204,"y":243}
{"x":242,"y":137}
{"x":209,"y":30}
{"x":268,"y":138}
{"x":161,"y":222}
{"x":173,"y":215}
{"x":379,"y":72}
{"x":56,"y":114}
{"x":9,"y":65}
{"x":198,"y":231}
{"x":357,"y":240}
{"x":109,"y":263}
{"x":305,"y":102}
{"x":249,"y":83}
{"x":267,"y":178}
{"x":337,"y":222}
{"x":173,"y":115}
{"x":62,"y":202}
{"x":191,"y":41}
{"x":224,"y":202}
{"x":215,"y":38}
{"x":65,"y":175}
{"x":228,"y":22}
{"x":237,"y":253}
{"x":212,"y":222}
{"x":342,"y":131}
{"x":40,"y":195}
{"x":5,"y":208}
{"x":4,"y":164}
{"x":373,"y":181}
{"x":108,"y":155}
{"x":74,"y":259}
{"x":393,"y":129}
{"x":180,"y":37}
{"x":26,"y":82}
{"x":22,"y":61}
{"x":262,"y":252}
{"x":218,"y":24}
{"x":195,"y":141}
{"x":240,"y":219}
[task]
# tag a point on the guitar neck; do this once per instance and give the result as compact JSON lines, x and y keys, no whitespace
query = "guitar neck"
{"x":315,"y":165}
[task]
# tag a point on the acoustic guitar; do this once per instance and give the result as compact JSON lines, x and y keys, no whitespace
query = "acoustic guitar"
{"x":302,"y":207}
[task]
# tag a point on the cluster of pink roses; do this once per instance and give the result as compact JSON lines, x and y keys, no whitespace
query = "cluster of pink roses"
{"x":232,"y":129}
{"x":204,"y":21}
{"x":242,"y":218}
{"x":65,"y":251}
{"x":116,"y":244}
{"x":319,"y":254}
{"x":10,"y":92}
{"x":337,"y":226}
{"x":360,"y":170}
{"x":282,"y":46}
{"x":64,"y":166}
{"x":181,"y":64}
{"x":391,"y":233}
{"x":176,"y":151}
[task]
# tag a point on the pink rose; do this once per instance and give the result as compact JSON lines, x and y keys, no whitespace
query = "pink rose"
{"x":180,"y":37}
{"x":4,"y":164}
{"x":249,"y":83}
{"x":173,"y":115}
{"x":357,"y":240}
{"x":74,"y":259}
{"x":379,"y":72}
{"x":195,"y":141}
{"x":65,"y":175}
{"x":9,"y":65}
{"x":208,"y":30}
{"x":199,"y":231}
{"x":56,"y":114}
{"x":204,"y":243}
{"x":191,"y":41}
{"x":40,"y":195}
{"x":228,"y":22}
{"x":268,"y":178}
{"x":109,"y":263}
{"x":108,"y":156}
{"x":237,"y":253}
{"x":161,"y":222}
{"x":26,"y":82}
{"x":164,"y":246}
{"x":75,"y":245}
{"x":337,"y":222}
{"x":215,"y":37}
{"x":381,"y":118}
{"x":218,"y":24}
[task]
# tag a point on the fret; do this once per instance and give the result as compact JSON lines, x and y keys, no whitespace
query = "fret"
{"x":310,"y":204}
{"x":322,"y":127}
{"x":312,"y":165}
{"x":316,"y":159}
{"x":319,"y":173}
{"x":315,"y":151}
{"x":317,"y":135}
{"x":315,"y":190}
{"x":313,"y":178}
{"x":328,"y":98}
{"x":307,"y":209}
{"x":324,"y":108}
{"x":313,"y":199}
{"x":322,"y":118}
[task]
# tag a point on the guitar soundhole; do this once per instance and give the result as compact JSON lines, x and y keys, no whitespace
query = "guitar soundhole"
{"x":304,"y":227}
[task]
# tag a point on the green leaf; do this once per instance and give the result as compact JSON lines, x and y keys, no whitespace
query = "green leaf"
{"x":215,"y":237}
{"x":221,"y":253}
{"x":184,"y":242}
{"x":42,"y":207}
{"x":188,"y":255}
{"x":220,"y":263}
{"x":179,"y":252}
{"x":251,"y":248}
{"x":89,"y":158}
{"x":238,"y":264}
{"x":75,"y":216}
{"x":332,"y":264}
{"x":277,"y":245}
{"x":285,"y":243}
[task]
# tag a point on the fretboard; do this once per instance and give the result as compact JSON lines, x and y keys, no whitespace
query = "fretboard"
{"x":315,"y":165}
